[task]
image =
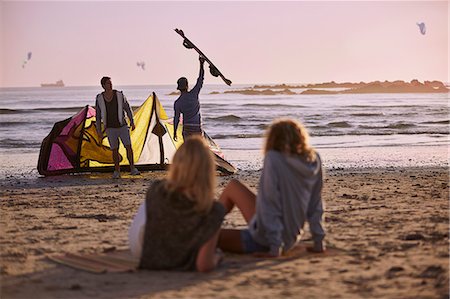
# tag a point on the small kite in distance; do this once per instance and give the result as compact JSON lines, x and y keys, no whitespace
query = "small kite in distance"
{"x":422,"y":28}
{"x":26,"y":60}
{"x":141,"y":64}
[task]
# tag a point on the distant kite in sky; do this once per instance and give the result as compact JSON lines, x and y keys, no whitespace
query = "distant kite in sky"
{"x":141,"y":64}
{"x":422,"y":28}
{"x":26,"y":60}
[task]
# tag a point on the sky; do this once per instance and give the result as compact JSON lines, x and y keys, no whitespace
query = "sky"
{"x":250,"y":42}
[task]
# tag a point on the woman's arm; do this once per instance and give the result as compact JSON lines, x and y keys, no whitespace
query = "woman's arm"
{"x":207,"y":257}
{"x":269,"y":208}
{"x":128,"y":110}
{"x":315,"y":214}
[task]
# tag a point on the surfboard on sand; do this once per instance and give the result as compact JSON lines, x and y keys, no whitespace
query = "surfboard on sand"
{"x":212,"y":68}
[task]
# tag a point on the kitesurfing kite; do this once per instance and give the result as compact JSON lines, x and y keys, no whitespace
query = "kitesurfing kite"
{"x":212,"y":68}
{"x":422,"y":28}
{"x":141,"y":64}
{"x":73,"y":146}
{"x":26,"y":60}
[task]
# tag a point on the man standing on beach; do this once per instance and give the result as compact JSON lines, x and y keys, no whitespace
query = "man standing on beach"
{"x":189,"y":105}
{"x":110,"y":106}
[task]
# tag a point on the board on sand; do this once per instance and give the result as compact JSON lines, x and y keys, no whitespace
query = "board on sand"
{"x":212,"y":68}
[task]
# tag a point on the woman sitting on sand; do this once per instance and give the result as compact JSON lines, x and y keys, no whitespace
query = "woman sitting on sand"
{"x":289,"y":194}
{"x":177,"y":226}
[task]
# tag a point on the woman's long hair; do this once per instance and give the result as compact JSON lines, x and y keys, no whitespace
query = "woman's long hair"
{"x":192,"y":173}
{"x":289,"y":136}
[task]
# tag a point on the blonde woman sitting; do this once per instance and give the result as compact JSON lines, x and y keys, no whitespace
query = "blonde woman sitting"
{"x":289,"y":194}
{"x":177,"y":226}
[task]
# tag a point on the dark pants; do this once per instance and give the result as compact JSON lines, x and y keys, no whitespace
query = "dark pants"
{"x":189,"y":134}
{"x":190,"y":130}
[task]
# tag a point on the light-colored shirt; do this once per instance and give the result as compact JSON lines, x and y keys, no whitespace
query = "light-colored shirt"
{"x":136,"y":232}
{"x":289,"y":194}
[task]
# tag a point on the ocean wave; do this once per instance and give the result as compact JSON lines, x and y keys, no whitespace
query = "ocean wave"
{"x":400,"y":126}
{"x":310,"y":128}
{"x":14,"y":143}
{"x":36,"y":110}
{"x":335,"y":133}
{"x":339,"y":124}
{"x":366,"y":114}
{"x":214,"y":106}
{"x":9,"y":111}
{"x":418,"y":132}
{"x":234,"y":136}
{"x":31,"y":124}
{"x":366,"y":127}
{"x":438,"y":122}
{"x":244,"y":126}
{"x":262,"y":126}
{"x":60,"y":109}
{"x":385,"y":106}
{"x":397,"y":126}
{"x":226,"y":118}
{"x":274,"y":105}
{"x":4,"y":124}
{"x":404,"y":114}
{"x":376,"y":133}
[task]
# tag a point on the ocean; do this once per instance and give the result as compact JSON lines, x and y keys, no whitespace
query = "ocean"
{"x":348,"y":130}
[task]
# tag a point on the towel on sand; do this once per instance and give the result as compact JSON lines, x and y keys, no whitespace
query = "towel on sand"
{"x":122,"y":260}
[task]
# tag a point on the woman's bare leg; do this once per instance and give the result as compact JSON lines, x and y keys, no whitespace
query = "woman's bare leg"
{"x":236,"y":194}
{"x":230,"y":240}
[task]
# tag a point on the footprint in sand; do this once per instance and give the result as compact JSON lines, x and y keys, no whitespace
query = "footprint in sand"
{"x":432,"y":272}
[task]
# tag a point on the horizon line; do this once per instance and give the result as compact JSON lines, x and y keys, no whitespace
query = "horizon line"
{"x":215,"y":84}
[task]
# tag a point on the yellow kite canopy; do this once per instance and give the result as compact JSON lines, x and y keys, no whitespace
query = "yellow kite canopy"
{"x":74,"y":146}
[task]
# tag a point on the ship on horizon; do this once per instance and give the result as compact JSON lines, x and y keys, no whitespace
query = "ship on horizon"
{"x":58,"y":83}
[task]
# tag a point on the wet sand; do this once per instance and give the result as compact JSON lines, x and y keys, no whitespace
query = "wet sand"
{"x":392,"y":225}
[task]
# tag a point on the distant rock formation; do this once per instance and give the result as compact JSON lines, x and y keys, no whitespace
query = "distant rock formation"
{"x":362,"y":87}
{"x":372,"y":87}
{"x":267,"y":92}
{"x":278,"y":86}
{"x":331,"y":84}
{"x":400,"y":87}
{"x":388,"y":87}
{"x":318,"y":91}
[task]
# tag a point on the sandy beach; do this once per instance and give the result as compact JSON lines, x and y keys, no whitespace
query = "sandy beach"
{"x":390,"y":225}
{"x":369,"y":80}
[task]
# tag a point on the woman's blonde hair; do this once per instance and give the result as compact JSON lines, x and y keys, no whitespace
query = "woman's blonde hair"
{"x":192,"y":173}
{"x":289,"y":136}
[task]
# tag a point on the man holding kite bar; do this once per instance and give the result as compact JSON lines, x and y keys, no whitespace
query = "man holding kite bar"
{"x":189,"y":105}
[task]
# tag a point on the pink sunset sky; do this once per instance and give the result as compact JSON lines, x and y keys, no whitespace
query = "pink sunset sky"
{"x":250,"y":42}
